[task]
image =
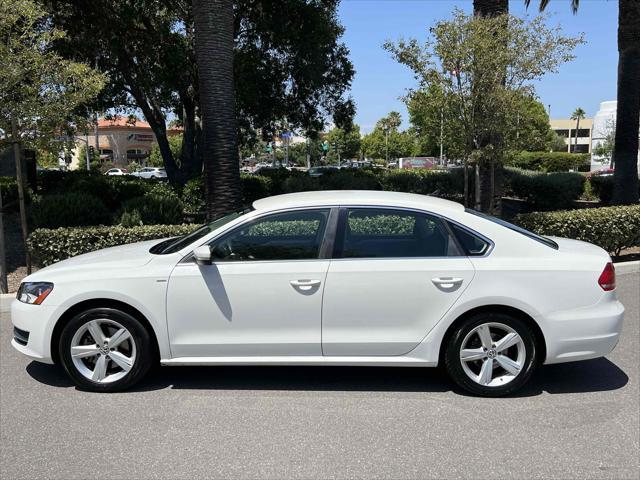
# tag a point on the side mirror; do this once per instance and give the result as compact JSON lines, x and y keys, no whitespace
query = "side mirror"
{"x":202,"y":255}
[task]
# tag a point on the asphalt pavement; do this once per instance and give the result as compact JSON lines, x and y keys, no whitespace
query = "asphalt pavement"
{"x":577,"y":420}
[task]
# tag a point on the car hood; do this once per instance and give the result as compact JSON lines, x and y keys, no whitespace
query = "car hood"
{"x":567,"y":245}
{"x":123,"y":256}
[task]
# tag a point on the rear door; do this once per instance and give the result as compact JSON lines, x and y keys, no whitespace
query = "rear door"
{"x":394,"y":274}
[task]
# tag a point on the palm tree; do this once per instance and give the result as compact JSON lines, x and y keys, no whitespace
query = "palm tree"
{"x":214,"y":43}
{"x":577,"y":115}
{"x":625,"y":151}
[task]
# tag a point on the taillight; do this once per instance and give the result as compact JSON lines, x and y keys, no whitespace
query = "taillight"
{"x":607,"y":278}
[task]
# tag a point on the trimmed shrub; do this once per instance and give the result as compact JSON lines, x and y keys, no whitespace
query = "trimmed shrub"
{"x":151,"y":210}
{"x":255,"y":187}
{"x":50,"y":246}
{"x":69,"y":210}
{"x":552,"y":191}
{"x":10,"y":193}
{"x":349,"y":179}
{"x":426,"y":182}
{"x":549,"y":161}
{"x":612,"y":228}
{"x":193,"y":196}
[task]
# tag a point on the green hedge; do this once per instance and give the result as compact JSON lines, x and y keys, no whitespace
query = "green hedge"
{"x":602,"y":187}
{"x":550,"y":161}
{"x":545,"y":191}
{"x":72,"y":209}
{"x":425,"y":182}
{"x":49,"y":246}
{"x":152,"y":209}
{"x":612,"y":228}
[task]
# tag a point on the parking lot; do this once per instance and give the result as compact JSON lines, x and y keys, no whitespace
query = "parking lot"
{"x":576,"y":420}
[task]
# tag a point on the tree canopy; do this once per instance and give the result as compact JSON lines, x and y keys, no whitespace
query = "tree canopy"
{"x":41,"y":91}
{"x":289,"y":65}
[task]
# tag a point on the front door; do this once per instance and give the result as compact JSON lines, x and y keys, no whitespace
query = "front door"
{"x":394,"y":275}
{"x":262,"y":296}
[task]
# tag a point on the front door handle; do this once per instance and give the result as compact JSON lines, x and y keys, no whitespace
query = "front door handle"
{"x":305,"y":285}
{"x":447,"y":283}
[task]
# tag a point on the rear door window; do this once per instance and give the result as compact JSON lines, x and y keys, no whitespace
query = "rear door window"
{"x":391,"y":233}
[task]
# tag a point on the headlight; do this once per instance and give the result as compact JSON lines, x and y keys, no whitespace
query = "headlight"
{"x":34,"y":293}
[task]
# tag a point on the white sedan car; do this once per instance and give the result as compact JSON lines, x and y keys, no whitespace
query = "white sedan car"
{"x":327,"y":278}
{"x":150,"y":172}
{"x":116,"y":172}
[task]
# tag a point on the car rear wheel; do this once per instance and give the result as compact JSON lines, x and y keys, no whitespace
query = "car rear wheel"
{"x":105,"y":350}
{"x":491,"y":354}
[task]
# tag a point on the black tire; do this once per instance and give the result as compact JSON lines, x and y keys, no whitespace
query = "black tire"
{"x":453,"y":363}
{"x":139,"y":336}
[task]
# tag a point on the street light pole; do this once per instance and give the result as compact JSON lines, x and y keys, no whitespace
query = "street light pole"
{"x":441,"y":135}
{"x":386,"y":143}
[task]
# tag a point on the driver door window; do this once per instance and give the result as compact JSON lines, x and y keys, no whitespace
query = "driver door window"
{"x":283,"y":236}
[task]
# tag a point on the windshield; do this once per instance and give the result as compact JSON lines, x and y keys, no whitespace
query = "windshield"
{"x":534,"y":236}
{"x":173,"y":245}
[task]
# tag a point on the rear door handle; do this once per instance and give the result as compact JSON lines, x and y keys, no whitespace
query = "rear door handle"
{"x":304,"y":285}
{"x":447,"y":283}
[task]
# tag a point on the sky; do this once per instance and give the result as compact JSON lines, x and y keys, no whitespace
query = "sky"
{"x":380,"y":81}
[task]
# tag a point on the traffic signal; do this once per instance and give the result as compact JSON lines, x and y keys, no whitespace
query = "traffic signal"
{"x":325,"y":146}
{"x":92,"y":150}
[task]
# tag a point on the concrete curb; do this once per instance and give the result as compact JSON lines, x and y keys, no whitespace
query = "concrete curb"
{"x":622,"y":268}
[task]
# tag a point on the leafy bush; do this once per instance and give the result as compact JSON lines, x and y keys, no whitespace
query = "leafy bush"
{"x":549,"y":161}
{"x":193,"y":196}
{"x":10,"y":193}
{"x":151,"y":209}
{"x":426,"y":182}
{"x":69,"y":210}
{"x":552,"y":191}
{"x":612,"y":228}
{"x":255,"y":187}
{"x":350,"y":179}
{"x":50,"y":246}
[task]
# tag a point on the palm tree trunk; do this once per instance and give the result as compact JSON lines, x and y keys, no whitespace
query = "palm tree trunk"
{"x":575,"y":137}
{"x":214,"y":43}
{"x":628,"y":111}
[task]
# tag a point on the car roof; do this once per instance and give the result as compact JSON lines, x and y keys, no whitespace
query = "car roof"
{"x":355,"y":197}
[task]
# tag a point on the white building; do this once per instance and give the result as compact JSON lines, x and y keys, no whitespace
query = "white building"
{"x":603,"y":123}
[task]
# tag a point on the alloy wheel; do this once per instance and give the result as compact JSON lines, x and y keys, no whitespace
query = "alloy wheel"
{"x":103,"y":350}
{"x":492,"y":354}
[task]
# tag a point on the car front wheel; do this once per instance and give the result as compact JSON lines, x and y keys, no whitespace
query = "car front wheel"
{"x":105,"y":350}
{"x":491,"y":354}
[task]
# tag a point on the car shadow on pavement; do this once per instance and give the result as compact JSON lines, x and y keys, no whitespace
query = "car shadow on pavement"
{"x":579,"y":377}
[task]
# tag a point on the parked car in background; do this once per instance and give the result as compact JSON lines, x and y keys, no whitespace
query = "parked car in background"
{"x":319,"y":171}
{"x":117,"y":171}
{"x":150,"y":172}
{"x":603,"y":172}
{"x":327,"y":278}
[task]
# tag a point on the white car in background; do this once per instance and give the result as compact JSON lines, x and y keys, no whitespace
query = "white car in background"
{"x":327,"y":278}
{"x":150,"y":172}
{"x":116,"y":171}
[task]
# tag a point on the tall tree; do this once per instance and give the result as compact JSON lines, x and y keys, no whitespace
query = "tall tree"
{"x":490,"y":175}
{"x":214,"y":54}
{"x":456,"y":73}
{"x":626,"y":145}
{"x":291,"y":66}
{"x":41,"y":94}
{"x":577,"y":115}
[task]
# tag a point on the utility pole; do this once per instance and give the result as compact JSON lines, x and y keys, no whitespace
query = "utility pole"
{"x":86,"y":150}
{"x":386,"y":142}
{"x":441,"y":136}
{"x":308,"y":152}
